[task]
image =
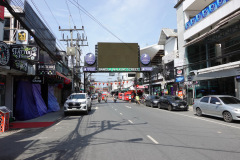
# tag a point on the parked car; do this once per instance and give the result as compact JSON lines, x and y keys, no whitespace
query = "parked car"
{"x":172,"y":103}
{"x":224,"y":106}
{"x":77,"y":102}
{"x":152,"y":101}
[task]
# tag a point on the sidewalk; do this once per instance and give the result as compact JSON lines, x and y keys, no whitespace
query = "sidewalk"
{"x":43,"y":121}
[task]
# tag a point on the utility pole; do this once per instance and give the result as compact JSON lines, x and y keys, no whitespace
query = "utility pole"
{"x":72,"y":50}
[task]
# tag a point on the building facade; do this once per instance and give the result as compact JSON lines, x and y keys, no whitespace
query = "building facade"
{"x":211,"y":40}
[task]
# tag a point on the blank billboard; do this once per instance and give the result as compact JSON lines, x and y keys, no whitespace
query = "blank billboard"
{"x":118,"y":55}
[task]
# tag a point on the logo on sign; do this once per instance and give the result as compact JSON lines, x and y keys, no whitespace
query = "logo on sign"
{"x":145,"y":59}
{"x":90,"y":59}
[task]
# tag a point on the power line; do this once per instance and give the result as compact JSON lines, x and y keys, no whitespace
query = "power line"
{"x":94,"y":19}
{"x":46,"y":21}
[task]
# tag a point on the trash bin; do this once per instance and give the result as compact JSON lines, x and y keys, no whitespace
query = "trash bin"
{"x":4,"y":118}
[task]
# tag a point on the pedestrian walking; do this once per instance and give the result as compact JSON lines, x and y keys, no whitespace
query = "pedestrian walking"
{"x":137,"y":99}
{"x":130,"y":98}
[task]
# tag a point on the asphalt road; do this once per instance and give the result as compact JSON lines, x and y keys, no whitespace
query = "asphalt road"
{"x":124,"y":131}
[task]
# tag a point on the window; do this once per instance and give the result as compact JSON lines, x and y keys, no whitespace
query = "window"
{"x":204,"y":99}
{"x":7,"y":22}
{"x":230,"y":100}
{"x":6,"y":36}
{"x":214,"y":100}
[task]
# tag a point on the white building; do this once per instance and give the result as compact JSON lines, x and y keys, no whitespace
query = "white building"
{"x":209,"y":35}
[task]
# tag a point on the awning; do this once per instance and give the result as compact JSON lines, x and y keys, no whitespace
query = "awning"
{"x":66,"y":80}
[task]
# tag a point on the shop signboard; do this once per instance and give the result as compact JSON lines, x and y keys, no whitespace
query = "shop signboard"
{"x":5,"y":54}
{"x":24,"y":52}
{"x":46,"y":69}
{"x":146,"y":69}
{"x":22,"y":37}
{"x":89,"y":69}
{"x":179,"y":79}
{"x":38,"y":80}
{"x":20,"y":65}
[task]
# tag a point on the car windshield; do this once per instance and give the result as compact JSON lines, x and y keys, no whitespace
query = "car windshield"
{"x":77,"y":96}
{"x":230,"y":100}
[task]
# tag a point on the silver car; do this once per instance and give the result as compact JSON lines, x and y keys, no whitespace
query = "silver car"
{"x":224,"y":106}
{"x":77,"y":102}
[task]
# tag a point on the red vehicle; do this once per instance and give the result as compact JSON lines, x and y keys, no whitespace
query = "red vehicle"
{"x":126,"y":96}
{"x":104,"y":95}
{"x":120,"y":95}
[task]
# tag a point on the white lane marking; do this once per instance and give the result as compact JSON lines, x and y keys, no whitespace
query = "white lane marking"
{"x":195,"y":117}
{"x":128,"y":107}
{"x":130,"y":121}
{"x":121,"y":113}
{"x":58,"y":123}
{"x":96,"y":108}
{"x":30,"y":143}
{"x":154,"y":141}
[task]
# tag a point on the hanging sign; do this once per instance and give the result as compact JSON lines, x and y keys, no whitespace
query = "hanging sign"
{"x":24,"y":52}
{"x":38,"y":80}
{"x":22,"y":37}
{"x":46,"y":69}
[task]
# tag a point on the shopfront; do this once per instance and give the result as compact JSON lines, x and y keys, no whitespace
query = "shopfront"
{"x":220,"y":86}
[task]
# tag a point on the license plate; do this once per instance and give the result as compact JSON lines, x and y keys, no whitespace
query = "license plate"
{"x":181,"y":106}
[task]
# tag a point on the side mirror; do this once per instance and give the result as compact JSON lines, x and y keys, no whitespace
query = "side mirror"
{"x":218,"y":103}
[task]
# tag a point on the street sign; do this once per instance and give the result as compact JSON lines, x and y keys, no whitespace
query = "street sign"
{"x":146,"y":68}
{"x":89,"y":69}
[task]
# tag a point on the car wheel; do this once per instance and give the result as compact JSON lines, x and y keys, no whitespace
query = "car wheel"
{"x":199,"y":112}
{"x":65,"y":114}
{"x":86,"y":112}
{"x":159,"y":105}
{"x":227,"y":116}
{"x":152,"y":105}
{"x":169,"y":107}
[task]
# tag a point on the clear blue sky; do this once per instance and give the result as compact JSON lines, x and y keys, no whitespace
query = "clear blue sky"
{"x":135,"y":21}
